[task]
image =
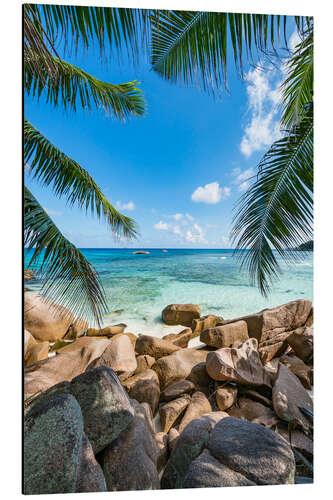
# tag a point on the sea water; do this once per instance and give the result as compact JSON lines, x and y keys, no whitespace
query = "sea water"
{"x":138,"y":287}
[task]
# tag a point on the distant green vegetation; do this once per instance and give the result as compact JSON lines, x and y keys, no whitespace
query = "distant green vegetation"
{"x":308,"y":246}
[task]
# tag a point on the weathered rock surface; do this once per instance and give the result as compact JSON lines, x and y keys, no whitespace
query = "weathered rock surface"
{"x":173,"y":435}
{"x":288,"y":396}
{"x":180,"y":314}
{"x":105,"y":406}
{"x":180,"y":339}
{"x":241,"y":365}
{"x":207,"y":472}
{"x":299,"y":440}
{"x":144,"y":361}
{"x":71,"y":362}
{"x":107,"y":331}
{"x":187,"y":447}
{"x":171,"y":411}
{"x":77,"y":329}
{"x":178,"y":366}
{"x":118,"y":355}
{"x":255,"y":412}
{"x":230,"y":335}
{"x":300,"y":369}
{"x":44,"y":319}
{"x":203,"y":323}
{"x":199,"y":405}
{"x":144,"y":387}
{"x":56,"y":452}
{"x":28,"y":342}
{"x":301,"y":341}
{"x":131,"y":336}
{"x":154,"y":346}
{"x":130,"y":461}
{"x":37,"y":352}
{"x":269,"y":323}
{"x":226,"y":396}
{"x":257,"y":453}
{"x":178,"y":389}
{"x":163,"y":449}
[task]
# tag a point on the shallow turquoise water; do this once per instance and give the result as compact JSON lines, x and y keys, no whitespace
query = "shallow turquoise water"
{"x":140,"y":286}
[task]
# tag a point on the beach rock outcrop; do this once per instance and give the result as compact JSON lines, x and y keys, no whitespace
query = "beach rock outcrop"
{"x":173,"y":435}
{"x":144,"y":387}
{"x":178,"y":366}
{"x":105,"y":405}
{"x":37,"y":352}
{"x":154,"y":346}
{"x":241,"y":365}
{"x":107,"y":331}
{"x":301,"y":341}
{"x":163,"y":449}
{"x":178,"y":389}
{"x":180,"y":339}
{"x":180,"y":314}
{"x":171,"y":411}
{"x":226,"y":396}
{"x":300,"y":369}
{"x":255,"y":412}
{"x":57,"y":455}
{"x":204,"y":323}
{"x":144,"y":361}
{"x":118,"y":355}
{"x":214,"y":451}
{"x":289,"y":396}
{"x":230,"y":335}
{"x":199,"y":405}
{"x":130,"y":461}
{"x":73,"y":360}
{"x":44,"y":319}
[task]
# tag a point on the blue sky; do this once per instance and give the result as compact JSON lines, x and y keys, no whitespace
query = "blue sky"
{"x":178,"y":171}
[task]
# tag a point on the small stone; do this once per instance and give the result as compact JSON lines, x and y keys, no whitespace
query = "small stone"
{"x":226,"y":397}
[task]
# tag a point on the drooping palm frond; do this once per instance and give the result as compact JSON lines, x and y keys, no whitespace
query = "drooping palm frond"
{"x":192,"y":47}
{"x":111,"y":28}
{"x":67,"y":277}
{"x":69,"y":85}
{"x":276,"y":211}
{"x":297,"y":88}
{"x":52,"y":167}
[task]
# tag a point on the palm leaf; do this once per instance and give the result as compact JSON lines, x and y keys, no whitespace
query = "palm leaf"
{"x":276,"y":211}
{"x":192,"y":47}
{"x":297,"y":88}
{"x":67,"y":277}
{"x":52,"y":167}
{"x":69,"y":85}
{"x":111,"y":28}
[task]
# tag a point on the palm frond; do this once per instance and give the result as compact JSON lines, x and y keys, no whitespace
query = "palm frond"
{"x":192,"y":47}
{"x":68,"y":85}
{"x":52,"y":167}
{"x":67,"y":277}
{"x":111,"y":28}
{"x":276,"y":211}
{"x":297,"y":88}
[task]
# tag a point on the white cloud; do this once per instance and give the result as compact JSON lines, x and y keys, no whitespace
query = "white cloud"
{"x":161,"y":226}
{"x":195,"y":234}
{"x":125,"y":206}
{"x":177,"y":216}
{"x":210,"y":193}
{"x":263,"y":127}
{"x":55,"y":213}
{"x":242,"y":177}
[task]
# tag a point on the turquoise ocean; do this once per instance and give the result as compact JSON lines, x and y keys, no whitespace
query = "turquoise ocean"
{"x":138,"y":287}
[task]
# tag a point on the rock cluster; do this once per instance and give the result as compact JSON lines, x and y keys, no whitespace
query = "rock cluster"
{"x":230,"y":414}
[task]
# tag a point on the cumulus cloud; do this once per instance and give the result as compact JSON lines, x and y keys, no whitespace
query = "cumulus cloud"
{"x":161,"y":226}
{"x":263,"y":127}
{"x":242,"y":178}
{"x":125,"y":206}
{"x":210,"y":193}
{"x":195,"y":234}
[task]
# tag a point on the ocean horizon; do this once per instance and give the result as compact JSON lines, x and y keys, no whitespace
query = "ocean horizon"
{"x":138,"y":287}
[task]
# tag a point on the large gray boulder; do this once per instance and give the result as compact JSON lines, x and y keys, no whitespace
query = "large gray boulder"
{"x":105,"y":405}
{"x":57,"y":455}
{"x":130,"y":461}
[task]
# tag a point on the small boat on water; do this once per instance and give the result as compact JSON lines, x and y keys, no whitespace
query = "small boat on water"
{"x":164,"y":250}
{"x":139,"y":252}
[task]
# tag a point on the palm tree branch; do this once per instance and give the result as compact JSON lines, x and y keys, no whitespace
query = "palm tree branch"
{"x":69,"y":84}
{"x":52,"y":167}
{"x":67,"y":277}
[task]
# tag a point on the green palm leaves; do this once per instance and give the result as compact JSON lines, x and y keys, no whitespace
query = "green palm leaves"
{"x":67,"y":277}
{"x":65,"y":271}
{"x":276,"y":211}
